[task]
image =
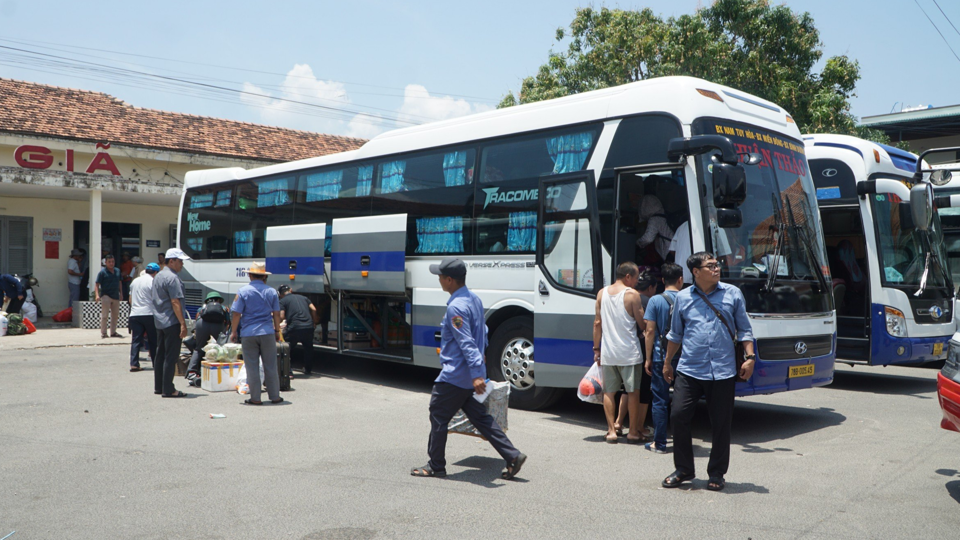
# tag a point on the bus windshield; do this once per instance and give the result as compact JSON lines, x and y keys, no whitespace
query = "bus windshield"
{"x":780,"y":209}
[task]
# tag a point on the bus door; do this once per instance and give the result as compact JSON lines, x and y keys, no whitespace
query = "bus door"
{"x":847,"y":254}
{"x":642,"y":193}
{"x":567,"y":277}
{"x":368,"y":279}
{"x":295,"y":256}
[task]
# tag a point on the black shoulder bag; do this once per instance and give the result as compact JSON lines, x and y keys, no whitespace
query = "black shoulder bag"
{"x":738,"y":350}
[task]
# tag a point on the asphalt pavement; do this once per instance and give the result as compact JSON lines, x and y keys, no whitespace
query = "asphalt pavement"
{"x":88,"y":451}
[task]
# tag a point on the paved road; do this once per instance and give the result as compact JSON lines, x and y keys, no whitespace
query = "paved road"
{"x":89,"y":452}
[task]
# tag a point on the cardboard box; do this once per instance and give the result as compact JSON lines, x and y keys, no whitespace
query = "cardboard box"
{"x":219,"y":376}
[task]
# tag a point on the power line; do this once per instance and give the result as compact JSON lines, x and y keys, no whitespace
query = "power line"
{"x":938,"y":30}
{"x":208,"y":86}
{"x":247,"y":70}
{"x":945,"y":17}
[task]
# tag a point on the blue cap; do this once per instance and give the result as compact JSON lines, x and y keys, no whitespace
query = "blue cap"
{"x":153,"y":268}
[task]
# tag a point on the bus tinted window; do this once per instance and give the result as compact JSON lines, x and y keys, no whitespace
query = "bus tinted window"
{"x":205,"y":231}
{"x":260,"y":204}
{"x":427,"y":171}
{"x":641,"y":140}
{"x":327,"y":194}
{"x":533,"y":156}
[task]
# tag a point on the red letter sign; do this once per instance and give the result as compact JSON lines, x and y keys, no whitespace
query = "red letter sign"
{"x":33,"y":157}
{"x":102,"y":162}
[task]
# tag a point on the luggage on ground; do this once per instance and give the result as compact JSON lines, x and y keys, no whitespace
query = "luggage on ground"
{"x":283,"y":364}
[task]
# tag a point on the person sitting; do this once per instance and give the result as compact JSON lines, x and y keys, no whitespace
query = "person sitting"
{"x":212,"y":320}
{"x":657,"y":232}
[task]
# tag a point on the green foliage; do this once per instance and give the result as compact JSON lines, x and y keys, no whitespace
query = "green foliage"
{"x":768,"y":51}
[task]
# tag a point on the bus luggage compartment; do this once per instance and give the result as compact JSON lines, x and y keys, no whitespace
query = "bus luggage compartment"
{"x":367,"y":254}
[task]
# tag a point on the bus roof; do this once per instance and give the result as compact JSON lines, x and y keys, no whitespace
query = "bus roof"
{"x":678,"y":96}
{"x":876,"y":158}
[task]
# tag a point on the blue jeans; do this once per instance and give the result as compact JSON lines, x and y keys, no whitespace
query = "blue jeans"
{"x":660,"y":405}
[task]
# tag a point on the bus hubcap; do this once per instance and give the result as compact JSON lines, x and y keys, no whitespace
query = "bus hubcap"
{"x":516,"y":363}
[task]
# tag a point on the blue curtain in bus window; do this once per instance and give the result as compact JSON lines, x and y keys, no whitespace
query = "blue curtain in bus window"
{"x":569,"y":152}
{"x":328,"y":238}
{"x":324,"y":186}
{"x":455,"y":169}
{"x":223,"y":198}
{"x":201,"y":201}
{"x":243,"y":243}
{"x":391,"y":176}
{"x":195,"y":244}
{"x":364,"y":179}
{"x":522,"y":232}
{"x":273,"y":193}
{"x":440,"y":235}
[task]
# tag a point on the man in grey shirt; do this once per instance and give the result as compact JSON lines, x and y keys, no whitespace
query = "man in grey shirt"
{"x":170,"y":322}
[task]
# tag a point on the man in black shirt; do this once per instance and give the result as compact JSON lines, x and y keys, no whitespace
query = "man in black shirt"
{"x":301,"y":316}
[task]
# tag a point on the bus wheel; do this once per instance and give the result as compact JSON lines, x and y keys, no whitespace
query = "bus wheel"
{"x":510,"y":358}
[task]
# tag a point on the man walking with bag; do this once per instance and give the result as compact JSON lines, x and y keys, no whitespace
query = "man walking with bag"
{"x":257,"y":308}
{"x":463,"y":339}
{"x":616,"y":348}
{"x":708,"y":319}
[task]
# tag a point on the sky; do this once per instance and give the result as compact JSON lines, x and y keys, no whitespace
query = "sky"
{"x":362,"y":67}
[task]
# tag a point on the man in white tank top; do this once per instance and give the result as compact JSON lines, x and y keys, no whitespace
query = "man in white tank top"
{"x":616,"y":347}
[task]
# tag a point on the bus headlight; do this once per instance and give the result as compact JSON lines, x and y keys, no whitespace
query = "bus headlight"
{"x":896,"y":322}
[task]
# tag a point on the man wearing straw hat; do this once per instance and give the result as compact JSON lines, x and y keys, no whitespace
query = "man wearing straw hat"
{"x":258,"y":307}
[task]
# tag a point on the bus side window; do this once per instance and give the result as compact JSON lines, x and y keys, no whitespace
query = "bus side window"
{"x":205,"y":224}
{"x":260,"y":204}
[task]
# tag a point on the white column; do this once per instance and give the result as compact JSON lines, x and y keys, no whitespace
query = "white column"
{"x":96,"y":212}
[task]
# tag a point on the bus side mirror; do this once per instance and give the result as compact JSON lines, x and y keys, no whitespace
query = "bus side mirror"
{"x":729,"y":218}
{"x":921,"y":205}
{"x":729,"y":185}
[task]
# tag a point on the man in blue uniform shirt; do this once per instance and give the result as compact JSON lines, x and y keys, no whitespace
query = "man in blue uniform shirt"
{"x":708,"y":366}
{"x":463,"y":338}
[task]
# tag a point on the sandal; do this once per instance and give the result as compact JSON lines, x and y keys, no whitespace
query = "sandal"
{"x":278,"y":400}
{"x":611,"y":440}
{"x":178,"y":394}
{"x":427,"y":472}
{"x":136,"y":369}
{"x":716,"y":484}
{"x":677,"y":478}
{"x":514,"y":468}
{"x":251,"y":402}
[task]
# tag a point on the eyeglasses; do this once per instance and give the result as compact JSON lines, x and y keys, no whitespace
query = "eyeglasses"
{"x":710,"y":266}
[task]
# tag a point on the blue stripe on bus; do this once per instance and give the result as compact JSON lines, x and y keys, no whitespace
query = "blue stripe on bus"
{"x":567,"y":352}
{"x":306,"y":266}
{"x":424,"y":336}
{"x":380,"y":261}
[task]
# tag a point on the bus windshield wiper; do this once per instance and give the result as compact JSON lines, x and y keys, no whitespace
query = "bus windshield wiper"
{"x":805,"y":242}
{"x":773,"y":266}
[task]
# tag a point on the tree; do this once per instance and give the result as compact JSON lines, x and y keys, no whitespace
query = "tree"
{"x":768,"y":51}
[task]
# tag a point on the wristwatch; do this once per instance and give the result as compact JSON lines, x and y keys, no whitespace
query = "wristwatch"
{"x":750,"y":357}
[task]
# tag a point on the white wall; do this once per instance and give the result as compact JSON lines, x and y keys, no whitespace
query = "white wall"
{"x":53,"y":294}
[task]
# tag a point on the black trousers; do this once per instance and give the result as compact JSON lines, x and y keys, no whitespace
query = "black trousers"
{"x":165,"y":363}
{"x":445,"y":401}
{"x":303,"y":336}
{"x":719,"y":395}
{"x":140,"y":326}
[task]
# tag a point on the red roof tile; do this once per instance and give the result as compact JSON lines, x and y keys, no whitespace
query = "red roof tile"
{"x":51,"y":111}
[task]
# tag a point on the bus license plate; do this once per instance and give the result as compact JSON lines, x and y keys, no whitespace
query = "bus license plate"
{"x":937,"y":349}
{"x":801,"y":371}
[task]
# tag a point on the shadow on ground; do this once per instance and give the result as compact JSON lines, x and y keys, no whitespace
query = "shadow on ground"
{"x":391,"y":374}
{"x":922,"y":387}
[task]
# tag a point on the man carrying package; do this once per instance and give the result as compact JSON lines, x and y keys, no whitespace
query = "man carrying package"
{"x":463,"y":338}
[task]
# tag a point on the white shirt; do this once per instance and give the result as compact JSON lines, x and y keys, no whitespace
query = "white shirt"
{"x":682,"y":246}
{"x":141,"y":296}
{"x":72,"y":264}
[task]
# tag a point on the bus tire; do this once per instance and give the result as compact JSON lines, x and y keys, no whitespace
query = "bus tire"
{"x":510,"y":358}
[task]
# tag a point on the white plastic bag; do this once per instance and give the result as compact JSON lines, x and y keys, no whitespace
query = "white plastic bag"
{"x":496,"y":401}
{"x":214,"y":353}
{"x":591,"y":386}
{"x":242,"y":386}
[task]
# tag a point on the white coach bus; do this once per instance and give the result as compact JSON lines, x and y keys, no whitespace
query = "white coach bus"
{"x":891,"y":277}
{"x":541,"y":201}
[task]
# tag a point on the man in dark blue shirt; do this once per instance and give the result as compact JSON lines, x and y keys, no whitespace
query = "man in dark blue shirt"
{"x":12,"y":289}
{"x":463,"y":338}
{"x":707,"y":367}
